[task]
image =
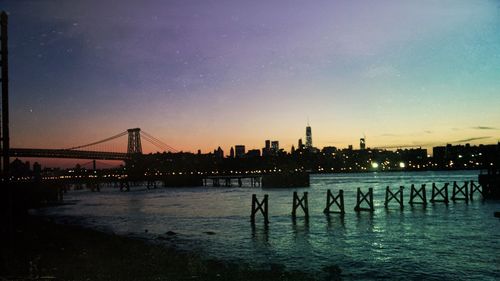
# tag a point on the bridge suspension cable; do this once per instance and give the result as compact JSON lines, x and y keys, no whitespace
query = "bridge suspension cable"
{"x":99,"y":142}
{"x":158,"y":143}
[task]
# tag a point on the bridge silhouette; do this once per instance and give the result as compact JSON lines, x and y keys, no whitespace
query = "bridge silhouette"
{"x":89,"y":151}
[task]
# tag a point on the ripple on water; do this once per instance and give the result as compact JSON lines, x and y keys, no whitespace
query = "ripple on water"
{"x":457,"y":241}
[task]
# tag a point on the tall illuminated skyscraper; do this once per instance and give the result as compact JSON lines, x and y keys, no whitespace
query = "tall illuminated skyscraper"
{"x":309,"y":140}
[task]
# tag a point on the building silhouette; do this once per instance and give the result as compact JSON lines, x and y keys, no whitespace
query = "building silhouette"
{"x":300,"y":145}
{"x":239,"y":151}
{"x":362,"y":144}
{"x":275,"y":146}
{"x":266,"y":151}
{"x":253,"y":153}
{"x":309,"y":141}
{"x":219,"y":153}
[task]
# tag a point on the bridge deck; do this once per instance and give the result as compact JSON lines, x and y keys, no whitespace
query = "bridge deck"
{"x":66,"y":153}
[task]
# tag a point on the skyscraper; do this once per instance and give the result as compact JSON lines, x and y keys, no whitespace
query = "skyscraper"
{"x":267,"y":149}
{"x":275,"y":146}
{"x":309,"y":140}
{"x":362,"y":144}
{"x":239,"y":151}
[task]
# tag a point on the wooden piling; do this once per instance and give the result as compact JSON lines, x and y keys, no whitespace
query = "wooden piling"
{"x":420,"y":193}
{"x":257,"y":181}
{"x":389,"y":195}
{"x":337,"y":200}
{"x":364,"y":197}
{"x":441,"y":192}
{"x":474,"y":188}
{"x":151,"y":184}
{"x":460,"y":190}
{"x":259,"y":206}
{"x":124,"y":185}
{"x":93,"y":185}
{"x":60,"y":194}
{"x":300,"y":202}
{"x":215,"y":182}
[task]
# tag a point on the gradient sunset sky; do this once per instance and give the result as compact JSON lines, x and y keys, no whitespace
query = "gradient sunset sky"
{"x":199,"y":74}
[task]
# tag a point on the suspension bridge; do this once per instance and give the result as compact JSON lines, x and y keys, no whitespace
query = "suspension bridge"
{"x":94,"y":150}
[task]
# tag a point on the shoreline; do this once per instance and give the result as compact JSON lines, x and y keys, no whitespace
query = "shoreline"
{"x":40,"y":249}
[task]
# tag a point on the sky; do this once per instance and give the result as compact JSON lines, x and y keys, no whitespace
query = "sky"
{"x":203,"y":74}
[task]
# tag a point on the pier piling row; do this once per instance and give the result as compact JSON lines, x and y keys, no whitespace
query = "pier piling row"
{"x":93,"y":185}
{"x":418,"y":192}
{"x":438,"y":195}
{"x":260,"y":206}
{"x":364,"y":197}
{"x":460,"y":190}
{"x":300,"y":202}
{"x":337,"y":200}
{"x":124,"y":185}
{"x":227,"y":181}
{"x":441,"y":192}
{"x":389,"y":195}
{"x":151,"y":184}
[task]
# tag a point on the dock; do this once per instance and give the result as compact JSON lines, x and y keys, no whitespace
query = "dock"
{"x":271,"y":180}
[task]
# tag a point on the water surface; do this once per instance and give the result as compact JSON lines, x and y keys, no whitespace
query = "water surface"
{"x":457,"y":241}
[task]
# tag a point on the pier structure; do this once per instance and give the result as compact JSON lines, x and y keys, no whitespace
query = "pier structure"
{"x":475,"y":187}
{"x":460,"y":192}
{"x":268,"y":180}
{"x":260,"y":206}
{"x":397,"y":196}
{"x":418,"y":193}
{"x":337,"y":200}
{"x":439,"y":194}
{"x":300,"y":202}
{"x":364,"y":197}
{"x":228,"y":180}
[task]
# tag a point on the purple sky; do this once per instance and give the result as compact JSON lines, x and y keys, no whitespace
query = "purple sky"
{"x":198,"y":74}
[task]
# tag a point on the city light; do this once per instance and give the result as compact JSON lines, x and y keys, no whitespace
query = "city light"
{"x":401,"y":165}
{"x":374,"y":165}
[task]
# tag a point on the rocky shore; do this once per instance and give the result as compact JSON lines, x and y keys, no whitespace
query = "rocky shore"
{"x":39,"y":249}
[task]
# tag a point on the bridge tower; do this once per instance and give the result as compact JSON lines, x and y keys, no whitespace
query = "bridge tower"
{"x":4,"y":64}
{"x":134,"y":141}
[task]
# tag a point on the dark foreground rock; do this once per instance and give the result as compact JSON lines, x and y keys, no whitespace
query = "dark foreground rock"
{"x":41,"y":250}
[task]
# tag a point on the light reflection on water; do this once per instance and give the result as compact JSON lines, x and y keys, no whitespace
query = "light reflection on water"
{"x":458,"y":241}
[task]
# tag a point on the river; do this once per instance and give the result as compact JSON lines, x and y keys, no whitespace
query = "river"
{"x":458,"y":241}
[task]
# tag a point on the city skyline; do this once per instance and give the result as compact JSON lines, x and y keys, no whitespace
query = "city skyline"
{"x":204,"y":75}
{"x":269,"y":148}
